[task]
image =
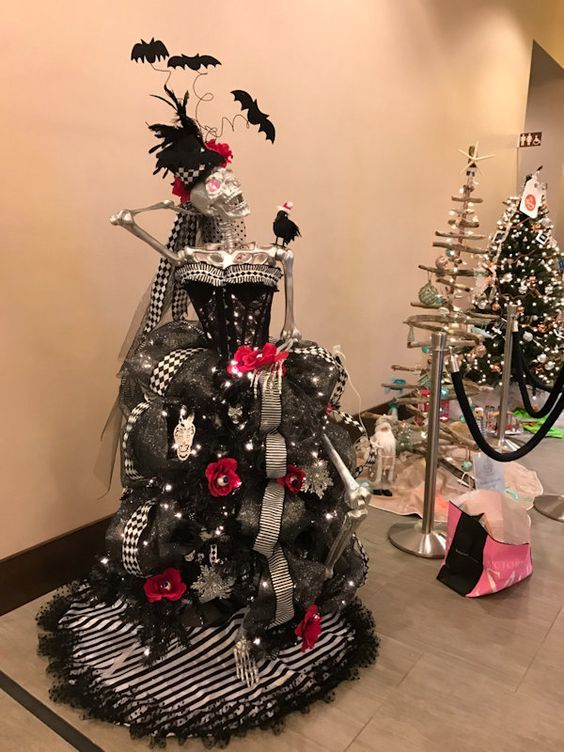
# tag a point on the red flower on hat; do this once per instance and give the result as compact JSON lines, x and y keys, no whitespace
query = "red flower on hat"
{"x":253,"y":358}
{"x":222,"y":477}
{"x":180,"y":190}
{"x":309,"y":628}
{"x":293,"y":480}
{"x":167,"y":585}
{"x":223,"y":149}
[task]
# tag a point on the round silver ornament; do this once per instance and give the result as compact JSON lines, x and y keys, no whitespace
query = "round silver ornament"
{"x":550,"y":365}
{"x":429,"y":295}
{"x":527,"y":336}
{"x":542,"y":358}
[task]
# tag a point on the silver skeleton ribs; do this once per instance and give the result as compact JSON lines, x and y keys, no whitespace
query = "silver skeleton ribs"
{"x":220,"y":196}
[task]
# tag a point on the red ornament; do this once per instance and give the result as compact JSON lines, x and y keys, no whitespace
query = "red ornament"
{"x":167,"y":585}
{"x":309,"y":628}
{"x":222,"y":477}
{"x":293,"y":480}
{"x":254,"y":358}
{"x":222,"y":149}
{"x":180,"y":190}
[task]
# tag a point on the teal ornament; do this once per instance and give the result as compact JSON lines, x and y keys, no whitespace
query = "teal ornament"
{"x":444,"y":391}
{"x":428,"y":295}
{"x":466,"y":465}
{"x":450,"y":252}
{"x":426,"y":349}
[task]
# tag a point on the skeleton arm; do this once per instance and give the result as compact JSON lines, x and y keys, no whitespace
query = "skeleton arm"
{"x":357,"y":497}
{"x":125,"y":218}
{"x":286,"y":257}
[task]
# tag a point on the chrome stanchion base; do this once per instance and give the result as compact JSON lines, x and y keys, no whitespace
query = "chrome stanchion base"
{"x":409,"y":537}
{"x":506,"y":445}
{"x":551,"y":505}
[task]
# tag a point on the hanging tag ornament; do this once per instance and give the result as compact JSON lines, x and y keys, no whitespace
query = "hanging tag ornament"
{"x":184,"y":435}
{"x":531,"y":197}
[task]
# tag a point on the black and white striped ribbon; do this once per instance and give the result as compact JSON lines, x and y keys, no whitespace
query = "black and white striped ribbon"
{"x":128,"y":464}
{"x":272,"y":508}
{"x":131,"y":536}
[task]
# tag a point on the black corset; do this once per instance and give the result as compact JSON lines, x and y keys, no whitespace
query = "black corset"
{"x":233,"y":304}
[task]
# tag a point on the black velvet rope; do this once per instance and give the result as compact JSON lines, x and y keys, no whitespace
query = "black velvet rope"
{"x":481,"y":441}
{"x":531,"y":377}
{"x":521,"y":370}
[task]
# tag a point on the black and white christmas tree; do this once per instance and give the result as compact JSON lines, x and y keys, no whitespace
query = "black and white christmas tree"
{"x":523,"y":266}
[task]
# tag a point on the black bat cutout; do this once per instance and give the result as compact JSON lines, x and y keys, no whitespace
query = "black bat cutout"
{"x":149,"y":51}
{"x":194,"y":63}
{"x":254,"y":114}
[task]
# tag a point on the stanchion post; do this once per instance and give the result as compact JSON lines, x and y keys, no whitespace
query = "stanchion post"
{"x":511,"y":318}
{"x":423,"y":538}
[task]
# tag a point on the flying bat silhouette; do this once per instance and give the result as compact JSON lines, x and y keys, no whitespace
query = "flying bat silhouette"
{"x":149,"y":51}
{"x":254,"y":114}
{"x":194,"y":63}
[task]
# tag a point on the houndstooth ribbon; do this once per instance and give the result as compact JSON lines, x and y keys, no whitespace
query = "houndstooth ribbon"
{"x":131,"y":536}
{"x":184,"y":233}
{"x":128,"y":464}
{"x":272,"y":507}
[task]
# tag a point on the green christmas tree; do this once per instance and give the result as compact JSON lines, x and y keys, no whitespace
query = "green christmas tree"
{"x":523,"y":266}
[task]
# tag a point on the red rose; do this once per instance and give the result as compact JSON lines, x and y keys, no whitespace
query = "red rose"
{"x":293,"y":480}
{"x":180,"y":190}
{"x":167,"y":585}
{"x":222,"y":477}
{"x":222,"y":149}
{"x":252,"y":358}
{"x":309,"y":628}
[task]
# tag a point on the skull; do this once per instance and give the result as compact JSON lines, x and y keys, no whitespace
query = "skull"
{"x":220,"y":195}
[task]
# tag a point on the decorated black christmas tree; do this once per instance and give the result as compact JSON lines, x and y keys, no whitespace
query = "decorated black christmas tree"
{"x":523,"y":266}
{"x":227,"y":596}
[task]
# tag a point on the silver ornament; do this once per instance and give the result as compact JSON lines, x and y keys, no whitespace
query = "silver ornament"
{"x":527,"y":336}
{"x":184,"y":436}
{"x":542,"y":358}
{"x":212,"y":584}
{"x":317,"y":478}
{"x":235,"y":413}
{"x":428,"y":295}
{"x":550,"y":365}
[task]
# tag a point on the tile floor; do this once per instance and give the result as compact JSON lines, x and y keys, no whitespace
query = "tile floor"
{"x":453,"y":674}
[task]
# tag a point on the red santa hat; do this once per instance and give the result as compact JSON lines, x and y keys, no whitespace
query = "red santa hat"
{"x":287,"y":207}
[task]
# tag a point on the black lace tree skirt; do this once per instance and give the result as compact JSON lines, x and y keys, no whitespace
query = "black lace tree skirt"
{"x":192,"y":691}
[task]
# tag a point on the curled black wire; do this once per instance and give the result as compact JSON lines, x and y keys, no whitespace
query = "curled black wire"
{"x":523,"y":375}
{"x":479,"y":437}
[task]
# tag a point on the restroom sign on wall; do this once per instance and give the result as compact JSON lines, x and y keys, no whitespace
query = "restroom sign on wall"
{"x":533,"y":138}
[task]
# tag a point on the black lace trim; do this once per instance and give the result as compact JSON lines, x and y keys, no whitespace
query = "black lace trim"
{"x":234,"y":275}
{"x":79,"y":687}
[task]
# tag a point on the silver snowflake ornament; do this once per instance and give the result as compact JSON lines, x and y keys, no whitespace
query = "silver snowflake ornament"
{"x":317,"y":478}
{"x":212,"y":584}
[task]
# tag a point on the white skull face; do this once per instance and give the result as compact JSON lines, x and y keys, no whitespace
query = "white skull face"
{"x":220,"y":195}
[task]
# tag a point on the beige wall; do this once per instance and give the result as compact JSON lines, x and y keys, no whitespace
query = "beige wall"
{"x":371,"y":98}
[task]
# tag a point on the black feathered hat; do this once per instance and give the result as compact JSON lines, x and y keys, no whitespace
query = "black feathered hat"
{"x":182,"y":150}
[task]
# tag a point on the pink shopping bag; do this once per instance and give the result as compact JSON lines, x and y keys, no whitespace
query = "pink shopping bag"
{"x":477,"y":564}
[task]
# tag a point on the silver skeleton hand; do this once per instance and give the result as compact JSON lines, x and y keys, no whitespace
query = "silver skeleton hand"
{"x":248,"y":253}
{"x":357,"y":498}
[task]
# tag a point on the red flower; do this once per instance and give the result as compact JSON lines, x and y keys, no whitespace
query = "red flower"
{"x":309,"y":628}
{"x":167,"y":585}
{"x":222,"y":149}
{"x":293,"y":480}
{"x":179,"y":189}
{"x":252,"y":358}
{"x":222,"y":476}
